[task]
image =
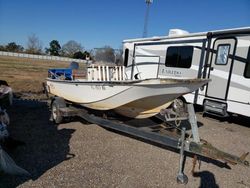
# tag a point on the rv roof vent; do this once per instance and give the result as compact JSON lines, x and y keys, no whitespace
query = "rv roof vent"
{"x":176,"y":32}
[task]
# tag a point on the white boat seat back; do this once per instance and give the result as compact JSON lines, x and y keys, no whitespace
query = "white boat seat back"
{"x":106,"y":73}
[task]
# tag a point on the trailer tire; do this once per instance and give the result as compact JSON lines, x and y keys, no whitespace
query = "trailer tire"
{"x":56,"y":104}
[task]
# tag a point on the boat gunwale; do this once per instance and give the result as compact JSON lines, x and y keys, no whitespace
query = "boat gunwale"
{"x":132,"y":82}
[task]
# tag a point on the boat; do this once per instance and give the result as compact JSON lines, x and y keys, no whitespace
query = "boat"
{"x":107,"y":88}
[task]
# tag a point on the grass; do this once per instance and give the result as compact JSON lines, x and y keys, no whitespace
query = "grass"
{"x":26,"y":75}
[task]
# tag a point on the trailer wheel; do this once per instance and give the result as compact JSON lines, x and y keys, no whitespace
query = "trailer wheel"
{"x":57,"y":103}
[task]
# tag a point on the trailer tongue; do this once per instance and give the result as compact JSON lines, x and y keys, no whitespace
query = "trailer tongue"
{"x":189,"y":143}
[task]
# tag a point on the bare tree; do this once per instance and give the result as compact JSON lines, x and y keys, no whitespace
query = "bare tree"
{"x":71,"y":47}
{"x":118,"y":56}
{"x":34,"y":45}
{"x":106,"y":54}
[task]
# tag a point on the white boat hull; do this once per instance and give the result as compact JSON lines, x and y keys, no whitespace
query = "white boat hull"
{"x":135,"y":99}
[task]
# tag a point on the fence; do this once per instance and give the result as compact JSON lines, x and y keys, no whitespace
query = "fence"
{"x":43,"y":57}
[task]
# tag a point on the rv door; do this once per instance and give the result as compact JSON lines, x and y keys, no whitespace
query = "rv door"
{"x":221,"y":67}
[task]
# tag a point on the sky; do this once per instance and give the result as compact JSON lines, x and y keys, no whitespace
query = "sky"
{"x":96,"y":23}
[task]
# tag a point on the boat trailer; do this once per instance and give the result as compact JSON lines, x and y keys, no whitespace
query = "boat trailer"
{"x":184,"y":142}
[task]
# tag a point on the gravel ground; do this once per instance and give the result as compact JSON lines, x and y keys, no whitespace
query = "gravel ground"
{"x":79,"y":154}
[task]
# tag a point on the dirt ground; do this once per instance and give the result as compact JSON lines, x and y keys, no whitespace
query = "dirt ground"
{"x":78,"y":154}
{"x":25,"y":75}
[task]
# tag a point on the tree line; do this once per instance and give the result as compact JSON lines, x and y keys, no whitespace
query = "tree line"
{"x":71,"y":49}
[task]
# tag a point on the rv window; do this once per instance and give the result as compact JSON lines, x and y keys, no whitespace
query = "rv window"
{"x":125,"y":63}
{"x":222,"y":54}
{"x":247,"y":67}
{"x":179,"y":56}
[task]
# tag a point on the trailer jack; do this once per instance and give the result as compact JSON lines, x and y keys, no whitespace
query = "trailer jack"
{"x":181,"y":177}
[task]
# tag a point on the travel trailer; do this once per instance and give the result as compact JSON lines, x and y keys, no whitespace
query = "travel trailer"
{"x":222,"y":56}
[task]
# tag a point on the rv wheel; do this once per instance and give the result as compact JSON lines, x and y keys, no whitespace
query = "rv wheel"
{"x":179,"y":106}
{"x":55,"y":112}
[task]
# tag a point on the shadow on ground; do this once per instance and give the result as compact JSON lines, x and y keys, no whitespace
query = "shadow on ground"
{"x":45,"y":146}
{"x":207,"y":179}
{"x":232,"y":118}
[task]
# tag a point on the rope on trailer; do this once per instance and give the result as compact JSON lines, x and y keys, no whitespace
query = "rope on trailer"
{"x":177,"y":121}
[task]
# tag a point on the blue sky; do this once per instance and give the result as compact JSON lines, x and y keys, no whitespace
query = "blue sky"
{"x":95,"y":23}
